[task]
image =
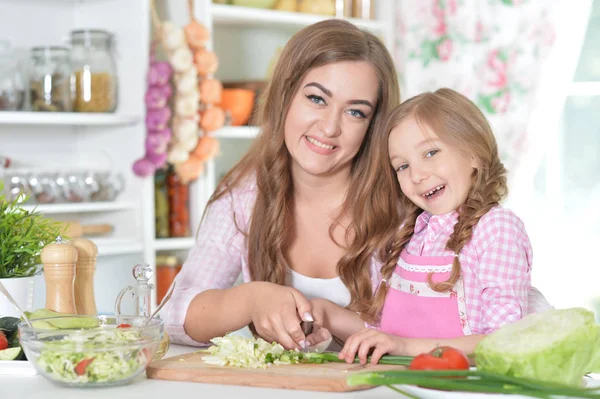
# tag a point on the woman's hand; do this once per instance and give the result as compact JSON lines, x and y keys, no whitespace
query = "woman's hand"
{"x":319,"y":340}
{"x":319,"y":311}
{"x":363,"y":341}
{"x":277,"y":312}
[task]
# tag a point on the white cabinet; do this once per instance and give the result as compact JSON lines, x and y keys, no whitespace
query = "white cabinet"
{"x":245,"y":39}
{"x":79,"y":141}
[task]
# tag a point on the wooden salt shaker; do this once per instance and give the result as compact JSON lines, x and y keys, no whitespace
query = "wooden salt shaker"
{"x":60,"y":259}
{"x":87,"y":252}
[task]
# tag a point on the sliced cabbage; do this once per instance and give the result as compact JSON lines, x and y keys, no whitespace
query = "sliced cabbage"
{"x":238,"y":351}
{"x":558,"y":345}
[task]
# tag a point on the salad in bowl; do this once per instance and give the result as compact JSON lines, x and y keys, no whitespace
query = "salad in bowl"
{"x":91,"y":350}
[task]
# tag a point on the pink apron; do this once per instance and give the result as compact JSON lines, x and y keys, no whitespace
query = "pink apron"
{"x":413,"y":310}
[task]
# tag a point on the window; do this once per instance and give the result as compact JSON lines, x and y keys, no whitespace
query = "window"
{"x":563,"y":218}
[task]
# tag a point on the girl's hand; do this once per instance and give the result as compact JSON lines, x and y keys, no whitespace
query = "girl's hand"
{"x":277,"y":312}
{"x":363,"y":341}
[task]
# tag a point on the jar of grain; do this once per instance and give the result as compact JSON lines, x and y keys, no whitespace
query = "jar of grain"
{"x":50,"y":79}
{"x":95,"y":71}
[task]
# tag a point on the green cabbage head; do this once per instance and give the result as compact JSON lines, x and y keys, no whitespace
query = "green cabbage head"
{"x":558,"y":345}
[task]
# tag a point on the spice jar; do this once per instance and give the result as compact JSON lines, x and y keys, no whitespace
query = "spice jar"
{"x":364,"y":9}
{"x":95,"y":71}
{"x":12,"y":91}
{"x":167,"y":267}
{"x":50,"y":79}
{"x":179,"y":214}
{"x":161,"y":204}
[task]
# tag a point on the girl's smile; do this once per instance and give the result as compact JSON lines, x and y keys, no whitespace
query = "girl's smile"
{"x":434,"y":192}
{"x":432,"y":174}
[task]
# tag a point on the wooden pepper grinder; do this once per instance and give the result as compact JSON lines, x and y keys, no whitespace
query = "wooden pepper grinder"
{"x":87,"y":252}
{"x":60,"y":259}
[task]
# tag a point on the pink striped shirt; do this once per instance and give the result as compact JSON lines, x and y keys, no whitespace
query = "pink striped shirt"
{"x":218,"y":257}
{"x":495,"y":264}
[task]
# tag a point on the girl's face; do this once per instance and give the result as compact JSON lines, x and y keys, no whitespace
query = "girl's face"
{"x":329,"y":116}
{"x":433,"y":175}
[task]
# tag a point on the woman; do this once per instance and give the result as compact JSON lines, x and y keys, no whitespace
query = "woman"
{"x":305,"y":212}
{"x":306,"y":207}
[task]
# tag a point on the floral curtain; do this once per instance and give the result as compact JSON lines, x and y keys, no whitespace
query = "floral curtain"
{"x":490,"y":50}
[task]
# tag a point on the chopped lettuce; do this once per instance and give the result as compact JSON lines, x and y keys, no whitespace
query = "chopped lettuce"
{"x":237,"y":351}
{"x":76,"y":359}
{"x":558,"y":345}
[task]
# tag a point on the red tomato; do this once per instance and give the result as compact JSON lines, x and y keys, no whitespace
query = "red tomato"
{"x":3,"y":341}
{"x":82,"y":365}
{"x":124,"y":325}
{"x":441,"y":358}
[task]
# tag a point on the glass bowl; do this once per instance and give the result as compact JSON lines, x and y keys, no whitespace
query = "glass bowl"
{"x":90,"y":351}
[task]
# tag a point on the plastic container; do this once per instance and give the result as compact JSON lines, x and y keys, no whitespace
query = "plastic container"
{"x":87,"y":351}
{"x":95,"y":71}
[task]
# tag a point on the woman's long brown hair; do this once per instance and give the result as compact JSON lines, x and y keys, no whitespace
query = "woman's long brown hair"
{"x":370,"y":202}
{"x":459,"y":123}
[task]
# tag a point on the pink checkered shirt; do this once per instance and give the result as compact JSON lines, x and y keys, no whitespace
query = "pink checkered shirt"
{"x":495,"y":265}
{"x":219,"y":255}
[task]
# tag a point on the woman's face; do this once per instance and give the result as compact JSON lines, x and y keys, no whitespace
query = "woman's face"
{"x":329,"y":116}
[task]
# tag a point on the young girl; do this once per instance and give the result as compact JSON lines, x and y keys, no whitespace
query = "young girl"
{"x":459,"y":267}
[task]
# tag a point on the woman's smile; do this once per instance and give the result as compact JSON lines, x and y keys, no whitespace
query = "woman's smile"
{"x":319,"y":147}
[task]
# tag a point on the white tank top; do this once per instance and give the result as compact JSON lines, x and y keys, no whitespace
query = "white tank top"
{"x":328,"y":288}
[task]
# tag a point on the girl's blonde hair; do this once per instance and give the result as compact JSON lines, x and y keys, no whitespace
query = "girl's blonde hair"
{"x":370,"y":200}
{"x":459,"y":123}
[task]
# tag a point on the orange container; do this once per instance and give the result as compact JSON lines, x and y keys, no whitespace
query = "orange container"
{"x":167,"y":268}
{"x":239,"y":102}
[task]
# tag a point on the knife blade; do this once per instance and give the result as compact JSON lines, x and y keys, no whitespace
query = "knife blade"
{"x":307,"y":328}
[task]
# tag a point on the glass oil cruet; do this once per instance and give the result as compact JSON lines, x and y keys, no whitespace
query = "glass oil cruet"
{"x":142,"y":294}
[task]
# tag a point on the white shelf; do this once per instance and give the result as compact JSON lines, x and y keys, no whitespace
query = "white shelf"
{"x":245,"y":16}
{"x":79,"y":207}
{"x":237,"y":132}
{"x":65,"y":119}
{"x":173,"y":244}
{"x":584,"y":89}
{"x":117,"y":246}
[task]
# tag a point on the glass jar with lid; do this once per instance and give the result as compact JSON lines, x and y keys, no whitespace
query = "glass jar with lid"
{"x":50,"y":79}
{"x":12,"y":88}
{"x":95,"y":71}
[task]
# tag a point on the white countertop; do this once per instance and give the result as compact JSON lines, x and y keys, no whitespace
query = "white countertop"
{"x":39,"y":387}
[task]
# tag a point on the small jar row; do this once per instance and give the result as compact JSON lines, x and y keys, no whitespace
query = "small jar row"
{"x":80,"y":78}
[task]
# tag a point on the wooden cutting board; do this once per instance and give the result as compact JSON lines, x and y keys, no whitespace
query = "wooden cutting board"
{"x":330,"y":377}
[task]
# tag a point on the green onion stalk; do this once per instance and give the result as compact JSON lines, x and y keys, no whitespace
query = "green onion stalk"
{"x":471,"y":381}
{"x":330,"y":357}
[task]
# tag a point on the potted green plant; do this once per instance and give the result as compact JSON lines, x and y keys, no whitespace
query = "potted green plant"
{"x":23,"y":235}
